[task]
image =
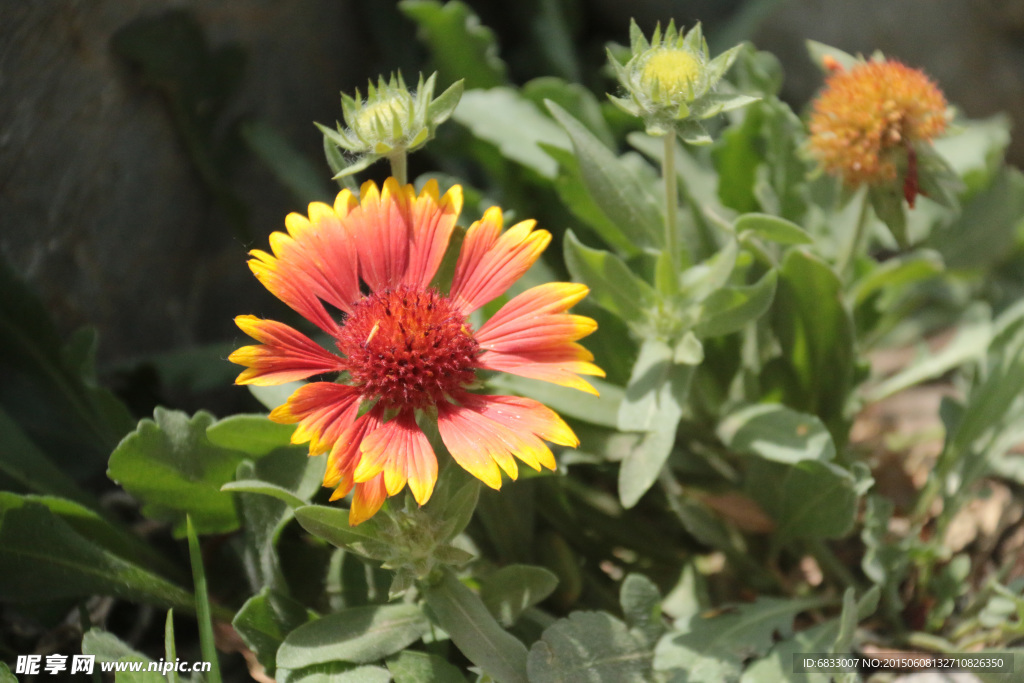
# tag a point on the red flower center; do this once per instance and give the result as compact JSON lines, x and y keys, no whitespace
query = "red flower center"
{"x":408,"y":347}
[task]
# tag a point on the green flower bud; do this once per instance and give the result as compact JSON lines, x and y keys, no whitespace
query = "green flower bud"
{"x":670,"y":82}
{"x":391,"y":121}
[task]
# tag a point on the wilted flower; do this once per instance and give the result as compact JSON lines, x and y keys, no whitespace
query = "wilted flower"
{"x":406,"y":352}
{"x":391,"y":121}
{"x":871,"y":122}
{"x":670,"y":81}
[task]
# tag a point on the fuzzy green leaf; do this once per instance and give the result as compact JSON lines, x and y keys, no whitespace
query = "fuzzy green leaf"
{"x":589,"y":646}
{"x":731,"y":308}
{"x":42,"y":557}
{"x":778,"y":230}
{"x":514,"y":588}
{"x":358,"y":634}
{"x":815,"y":332}
{"x":712,"y":649}
{"x":420,"y":667}
{"x":514,"y":125}
{"x":264,"y":621}
{"x":613,"y":286}
{"x":777,"y":433}
{"x":171,"y":465}
{"x":641,"y":605}
{"x":809,"y":499}
{"x":474,"y":631}
{"x":617,"y":188}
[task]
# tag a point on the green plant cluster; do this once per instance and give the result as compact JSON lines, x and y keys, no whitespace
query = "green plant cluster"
{"x":721,"y":513}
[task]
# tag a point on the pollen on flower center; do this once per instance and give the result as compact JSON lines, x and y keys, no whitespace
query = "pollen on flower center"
{"x":408,"y":347}
{"x":671,"y":72}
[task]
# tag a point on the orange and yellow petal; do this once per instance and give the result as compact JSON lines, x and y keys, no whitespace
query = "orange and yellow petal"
{"x":285,"y":354}
{"x":433,"y":220}
{"x":564,"y":370}
{"x":293,"y":288}
{"x":531,"y":336}
{"x":484,"y":432}
{"x":367,"y":500}
{"x":490,"y":261}
{"x":314,"y":261}
{"x":344,"y":455}
{"x":528,"y":415}
{"x":323,"y":411}
{"x":401,"y":451}
{"x":381,"y":226}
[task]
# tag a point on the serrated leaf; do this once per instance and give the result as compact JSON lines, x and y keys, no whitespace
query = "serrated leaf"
{"x":777,"y":433}
{"x":641,"y":606}
{"x":512,"y":589}
{"x":460,"y":46}
{"x":356,"y":634}
{"x":420,"y":667}
{"x":613,"y":286}
{"x":514,"y":125}
{"x":174,"y":469}
{"x":589,"y":646}
{"x":616,"y":188}
{"x":712,"y":649}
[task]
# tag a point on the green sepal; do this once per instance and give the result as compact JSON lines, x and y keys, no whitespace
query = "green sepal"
{"x":887,"y":201}
{"x":441,"y":108}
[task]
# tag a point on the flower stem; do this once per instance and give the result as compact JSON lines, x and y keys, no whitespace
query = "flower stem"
{"x":668,"y":174}
{"x":398,"y":167}
{"x":849,"y":253}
